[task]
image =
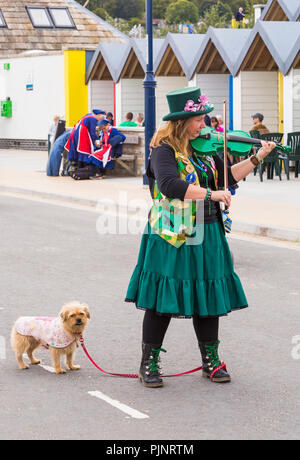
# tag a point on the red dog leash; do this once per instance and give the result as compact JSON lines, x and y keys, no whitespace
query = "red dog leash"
{"x":130,"y":376}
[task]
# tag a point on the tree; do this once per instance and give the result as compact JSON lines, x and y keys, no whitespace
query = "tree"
{"x":224,"y":10}
{"x":182,"y":11}
{"x":204,"y":5}
{"x":160,"y":8}
{"x":124,"y":9}
{"x":212,"y":18}
{"x":127,"y":9}
{"x":101,"y":12}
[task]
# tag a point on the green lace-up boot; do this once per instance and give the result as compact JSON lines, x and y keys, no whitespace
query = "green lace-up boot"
{"x":150,"y":370}
{"x":213,"y":368}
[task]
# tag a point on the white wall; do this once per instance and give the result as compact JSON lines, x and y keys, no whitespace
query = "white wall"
{"x":164,"y":85}
{"x":101,"y":95}
{"x":259,"y":93}
{"x":216,"y":88}
{"x":33,"y":111}
{"x":237,"y":102}
{"x":296,"y":100}
{"x":288,"y":106}
{"x":129,"y":98}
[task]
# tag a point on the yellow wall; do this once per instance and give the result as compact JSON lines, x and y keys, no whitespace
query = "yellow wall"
{"x":280,"y":102}
{"x":76,"y":91}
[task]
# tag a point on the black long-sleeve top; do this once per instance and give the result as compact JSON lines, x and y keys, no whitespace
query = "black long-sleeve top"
{"x":164,"y":169}
{"x":239,"y":16}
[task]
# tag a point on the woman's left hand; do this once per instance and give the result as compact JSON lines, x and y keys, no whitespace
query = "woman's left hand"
{"x":266,"y":148}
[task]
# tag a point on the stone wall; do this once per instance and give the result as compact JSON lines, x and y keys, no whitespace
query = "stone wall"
{"x":133,"y":146}
{"x":24,"y":144}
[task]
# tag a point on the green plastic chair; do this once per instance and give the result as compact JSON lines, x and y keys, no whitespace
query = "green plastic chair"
{"x":293,"y":140}
{"x":255,"y":135}
{"x":272,"y":160}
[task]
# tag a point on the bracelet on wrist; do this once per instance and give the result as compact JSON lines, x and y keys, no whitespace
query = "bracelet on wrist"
{"x":255,"y":160}
{"x":260,"y":160}
{"x":208,"y":194}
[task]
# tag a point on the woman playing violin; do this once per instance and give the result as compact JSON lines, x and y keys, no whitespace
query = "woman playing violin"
{"x":179,"y":274}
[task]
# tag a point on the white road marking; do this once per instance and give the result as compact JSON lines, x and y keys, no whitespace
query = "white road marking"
{"x":122,"y":407}
{"x":48,"y":368}
{"x":2,"y":348}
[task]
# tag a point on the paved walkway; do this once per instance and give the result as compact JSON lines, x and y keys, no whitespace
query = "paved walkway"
{"x":270,"y":208}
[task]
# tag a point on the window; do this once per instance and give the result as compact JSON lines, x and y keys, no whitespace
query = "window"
{"x":56,"y":17}
{"x":62,"y":18}
{"x":2,"y":21}
{"x":39,"y":17}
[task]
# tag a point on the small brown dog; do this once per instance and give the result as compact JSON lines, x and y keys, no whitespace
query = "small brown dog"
{"x":59,"y":334}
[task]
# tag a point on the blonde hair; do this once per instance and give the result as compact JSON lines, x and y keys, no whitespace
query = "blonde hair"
{"x":174,"y":133}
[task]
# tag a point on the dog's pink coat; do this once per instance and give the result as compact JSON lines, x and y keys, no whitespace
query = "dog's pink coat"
{"x":46,"y":330}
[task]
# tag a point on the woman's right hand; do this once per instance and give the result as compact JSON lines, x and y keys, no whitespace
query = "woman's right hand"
{"x":223,"y":196}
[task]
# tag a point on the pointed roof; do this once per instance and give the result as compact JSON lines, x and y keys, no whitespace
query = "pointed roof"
{"x":220,"y":50}
{"x":139,"y":46}
{"x":281,"y":10}
{"x":271,"y":46}
{"x":181,"y":48}
{"x":108,"y":61}
{"x":20,"y":35}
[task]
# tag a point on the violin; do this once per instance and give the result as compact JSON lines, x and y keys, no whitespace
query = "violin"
{"x":239,"y":143}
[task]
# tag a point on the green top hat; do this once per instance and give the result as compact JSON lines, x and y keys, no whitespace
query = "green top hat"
{"x":187,"y":102}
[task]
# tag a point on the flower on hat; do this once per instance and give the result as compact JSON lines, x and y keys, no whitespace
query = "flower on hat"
{"x":203,"y":99}
{"x":191,"y":106}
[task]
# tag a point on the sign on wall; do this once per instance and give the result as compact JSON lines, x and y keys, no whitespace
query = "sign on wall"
{"x":29,"y":82}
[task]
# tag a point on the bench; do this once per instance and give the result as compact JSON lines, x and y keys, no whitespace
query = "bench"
{"x":126,"y":158}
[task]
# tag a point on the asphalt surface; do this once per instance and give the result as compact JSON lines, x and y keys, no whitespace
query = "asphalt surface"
{"x":52,"y":254}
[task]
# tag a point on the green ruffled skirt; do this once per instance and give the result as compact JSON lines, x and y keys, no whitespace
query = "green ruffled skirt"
{"x":192,"y":280}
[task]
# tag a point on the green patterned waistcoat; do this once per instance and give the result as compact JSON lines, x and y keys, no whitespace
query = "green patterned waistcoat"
{"x":174,"y":219}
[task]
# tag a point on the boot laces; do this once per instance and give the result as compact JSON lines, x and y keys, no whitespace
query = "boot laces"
{"x":212,"y":352}
{"x":154,"y":359}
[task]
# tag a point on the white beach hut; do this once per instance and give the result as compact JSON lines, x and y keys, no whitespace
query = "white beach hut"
{"x":268,"y":56}
{"x":213,"y":67}
{"x":103,"y":75}
{"x":173,"y":67}
{"x":130,"y":89}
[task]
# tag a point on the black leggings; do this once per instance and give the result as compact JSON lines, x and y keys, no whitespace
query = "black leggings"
{"x":155,"y":327}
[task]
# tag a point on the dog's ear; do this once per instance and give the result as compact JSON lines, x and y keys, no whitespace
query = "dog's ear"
{"x":64,"y":314}
{"x":87,"y":311}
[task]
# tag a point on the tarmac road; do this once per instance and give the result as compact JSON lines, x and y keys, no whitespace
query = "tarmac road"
{"x":51,"y":254}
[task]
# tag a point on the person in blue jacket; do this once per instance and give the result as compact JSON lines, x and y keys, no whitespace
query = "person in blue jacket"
{"x":54,"y":160}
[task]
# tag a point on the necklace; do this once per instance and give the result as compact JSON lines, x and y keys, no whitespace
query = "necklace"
{"x":203,"y":165}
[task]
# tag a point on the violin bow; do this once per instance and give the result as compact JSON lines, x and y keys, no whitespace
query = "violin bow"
{"x":225,"y":145}
{"x":226,"y":219}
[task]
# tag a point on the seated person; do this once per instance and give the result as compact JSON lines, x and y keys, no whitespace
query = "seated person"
{"x":140,"y":120}
{"x":215,"y":124}
{"x":258,"y":126}
{"x":220,"y":120}
{"x":83,"y":136}
{"x":110,"y":118}
{"x":110,"y":146}
{"x":55,"y":156}
{"x":128,"y":121}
